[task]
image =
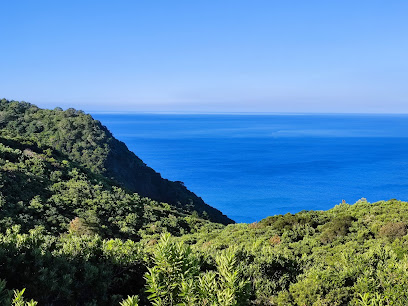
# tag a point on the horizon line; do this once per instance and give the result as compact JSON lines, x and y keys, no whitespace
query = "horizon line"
{"x":242,"y":113}
{"x":192,"y":112}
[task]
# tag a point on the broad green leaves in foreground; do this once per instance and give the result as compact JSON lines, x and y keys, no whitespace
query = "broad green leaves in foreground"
{"x":176,"y":278}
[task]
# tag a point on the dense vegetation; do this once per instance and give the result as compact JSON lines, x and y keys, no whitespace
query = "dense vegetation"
{"x":40,"y":187}
{"x":89,"y":143}
{"x":70,"y":235}
{"x":350,"y":255}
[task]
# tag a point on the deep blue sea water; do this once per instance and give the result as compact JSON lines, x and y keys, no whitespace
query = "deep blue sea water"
{"x":254,"y":166}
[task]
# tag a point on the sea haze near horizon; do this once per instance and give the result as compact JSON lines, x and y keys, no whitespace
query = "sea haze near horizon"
{"x":251,"y":167}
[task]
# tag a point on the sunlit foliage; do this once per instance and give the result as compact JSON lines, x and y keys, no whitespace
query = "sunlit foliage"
{"x":70,"y":235}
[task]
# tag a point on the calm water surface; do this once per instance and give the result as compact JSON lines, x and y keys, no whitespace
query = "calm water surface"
{"x":254,"y":166}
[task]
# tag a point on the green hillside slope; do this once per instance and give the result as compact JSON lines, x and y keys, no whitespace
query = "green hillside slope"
{"x":72,"y":236}
{"x":349,"y":255}
{"x":41,"y":187}
{"x":88,"y":142}
{"x":69,"y":235}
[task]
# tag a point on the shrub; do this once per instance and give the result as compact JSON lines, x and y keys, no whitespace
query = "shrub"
{"x":275,"y":240}
{"x":176,"y":279}
{"x":393,"y":230}
{"x":78,"y":227}
{"x":338,"y":227}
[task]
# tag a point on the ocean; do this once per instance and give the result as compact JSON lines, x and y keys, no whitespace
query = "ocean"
{"x":251,"y":166}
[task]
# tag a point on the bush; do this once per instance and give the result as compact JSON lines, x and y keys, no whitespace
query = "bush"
{"x":336,"y":228}
{"x":393,"y":230}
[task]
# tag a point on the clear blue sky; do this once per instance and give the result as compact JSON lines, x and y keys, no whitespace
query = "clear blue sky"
{"x":207,"y":56}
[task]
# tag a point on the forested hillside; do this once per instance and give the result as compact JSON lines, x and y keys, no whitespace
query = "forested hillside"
{"x":71,"y":236}
{"x":54,"y":217}
{"x":41,"y":187}
{"x":349,"y":255}
{"x":89,"y":143}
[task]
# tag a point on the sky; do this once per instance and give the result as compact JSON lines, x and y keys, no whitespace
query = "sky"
{"x":334,"y":56}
